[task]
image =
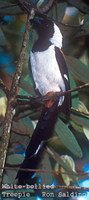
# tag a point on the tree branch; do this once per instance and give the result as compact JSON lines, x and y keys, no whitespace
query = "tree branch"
{"x":8,"y":6}
{"x":46,"y":97}
{"x":26,"y":5}
{"x":46,"y":7}
{"x":12,"y":98}
{"x":78,"y":111}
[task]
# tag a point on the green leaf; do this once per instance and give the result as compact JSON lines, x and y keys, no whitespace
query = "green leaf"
{"x":83,"y":108}
{"x":23,"y":126}
{"x":40,"y":3}
{"x":55,"y":142}
{"x":85,"y":27}
{"x":82,"y":122}
{"x":78,"y":69}
{"x":62,"y":163}
{"x":3,"y":106}
{"x":2,"y":94}
{"x":27,"y":87}
{"x":61,"y":11}
{"x":76,"y":126}
{"x":69,"y":160}
{"x":9,"y":176}
{"x":86,"y":132}
{"x":46,"y":165}
{"x":14,"y":159}
{"x":80,"y":119}
{"x":67,"y":138}
{"x":81,"y":5}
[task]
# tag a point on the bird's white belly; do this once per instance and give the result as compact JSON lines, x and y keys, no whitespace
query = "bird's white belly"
{"x":45,"y":71}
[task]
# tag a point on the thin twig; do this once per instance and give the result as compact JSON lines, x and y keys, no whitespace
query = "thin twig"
{"x":8,"y":6}
{"x":75,"y":89}
{"x":46,"y":97}
{"x":12,"y":99}
{"x":55,"y":94}
{"x":20,"y":102}
{"x":24,"y":115}
{"x":40,"y":100}
{"x":23,"y":97}
{"x":56,"y":5}
{"x":78,"y":111}
{"x":49,"y":171}
{"x":16,"y":187}
{"x":72,"y":187}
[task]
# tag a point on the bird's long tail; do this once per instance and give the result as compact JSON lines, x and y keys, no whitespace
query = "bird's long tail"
{"x":41,"y":133}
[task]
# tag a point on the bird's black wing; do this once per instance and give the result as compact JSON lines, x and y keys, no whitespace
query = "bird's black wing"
{"x":64,"y":72}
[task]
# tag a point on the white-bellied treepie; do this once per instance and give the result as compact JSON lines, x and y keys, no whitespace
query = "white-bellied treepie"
{"x":50,"y":75}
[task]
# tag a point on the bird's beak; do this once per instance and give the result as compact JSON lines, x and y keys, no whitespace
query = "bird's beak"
{"x":36,"y":23}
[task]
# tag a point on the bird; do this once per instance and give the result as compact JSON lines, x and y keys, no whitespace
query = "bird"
{"x":50,"y":75}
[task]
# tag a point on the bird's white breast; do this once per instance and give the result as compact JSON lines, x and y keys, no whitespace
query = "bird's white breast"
{"x":45,"y":71}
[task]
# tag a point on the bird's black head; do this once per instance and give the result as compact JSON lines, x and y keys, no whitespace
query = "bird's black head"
{"x":44,"y":27}
{"x":48,"y":31}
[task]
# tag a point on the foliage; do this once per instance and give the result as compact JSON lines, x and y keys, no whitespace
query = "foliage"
{"x":68,"y":133}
